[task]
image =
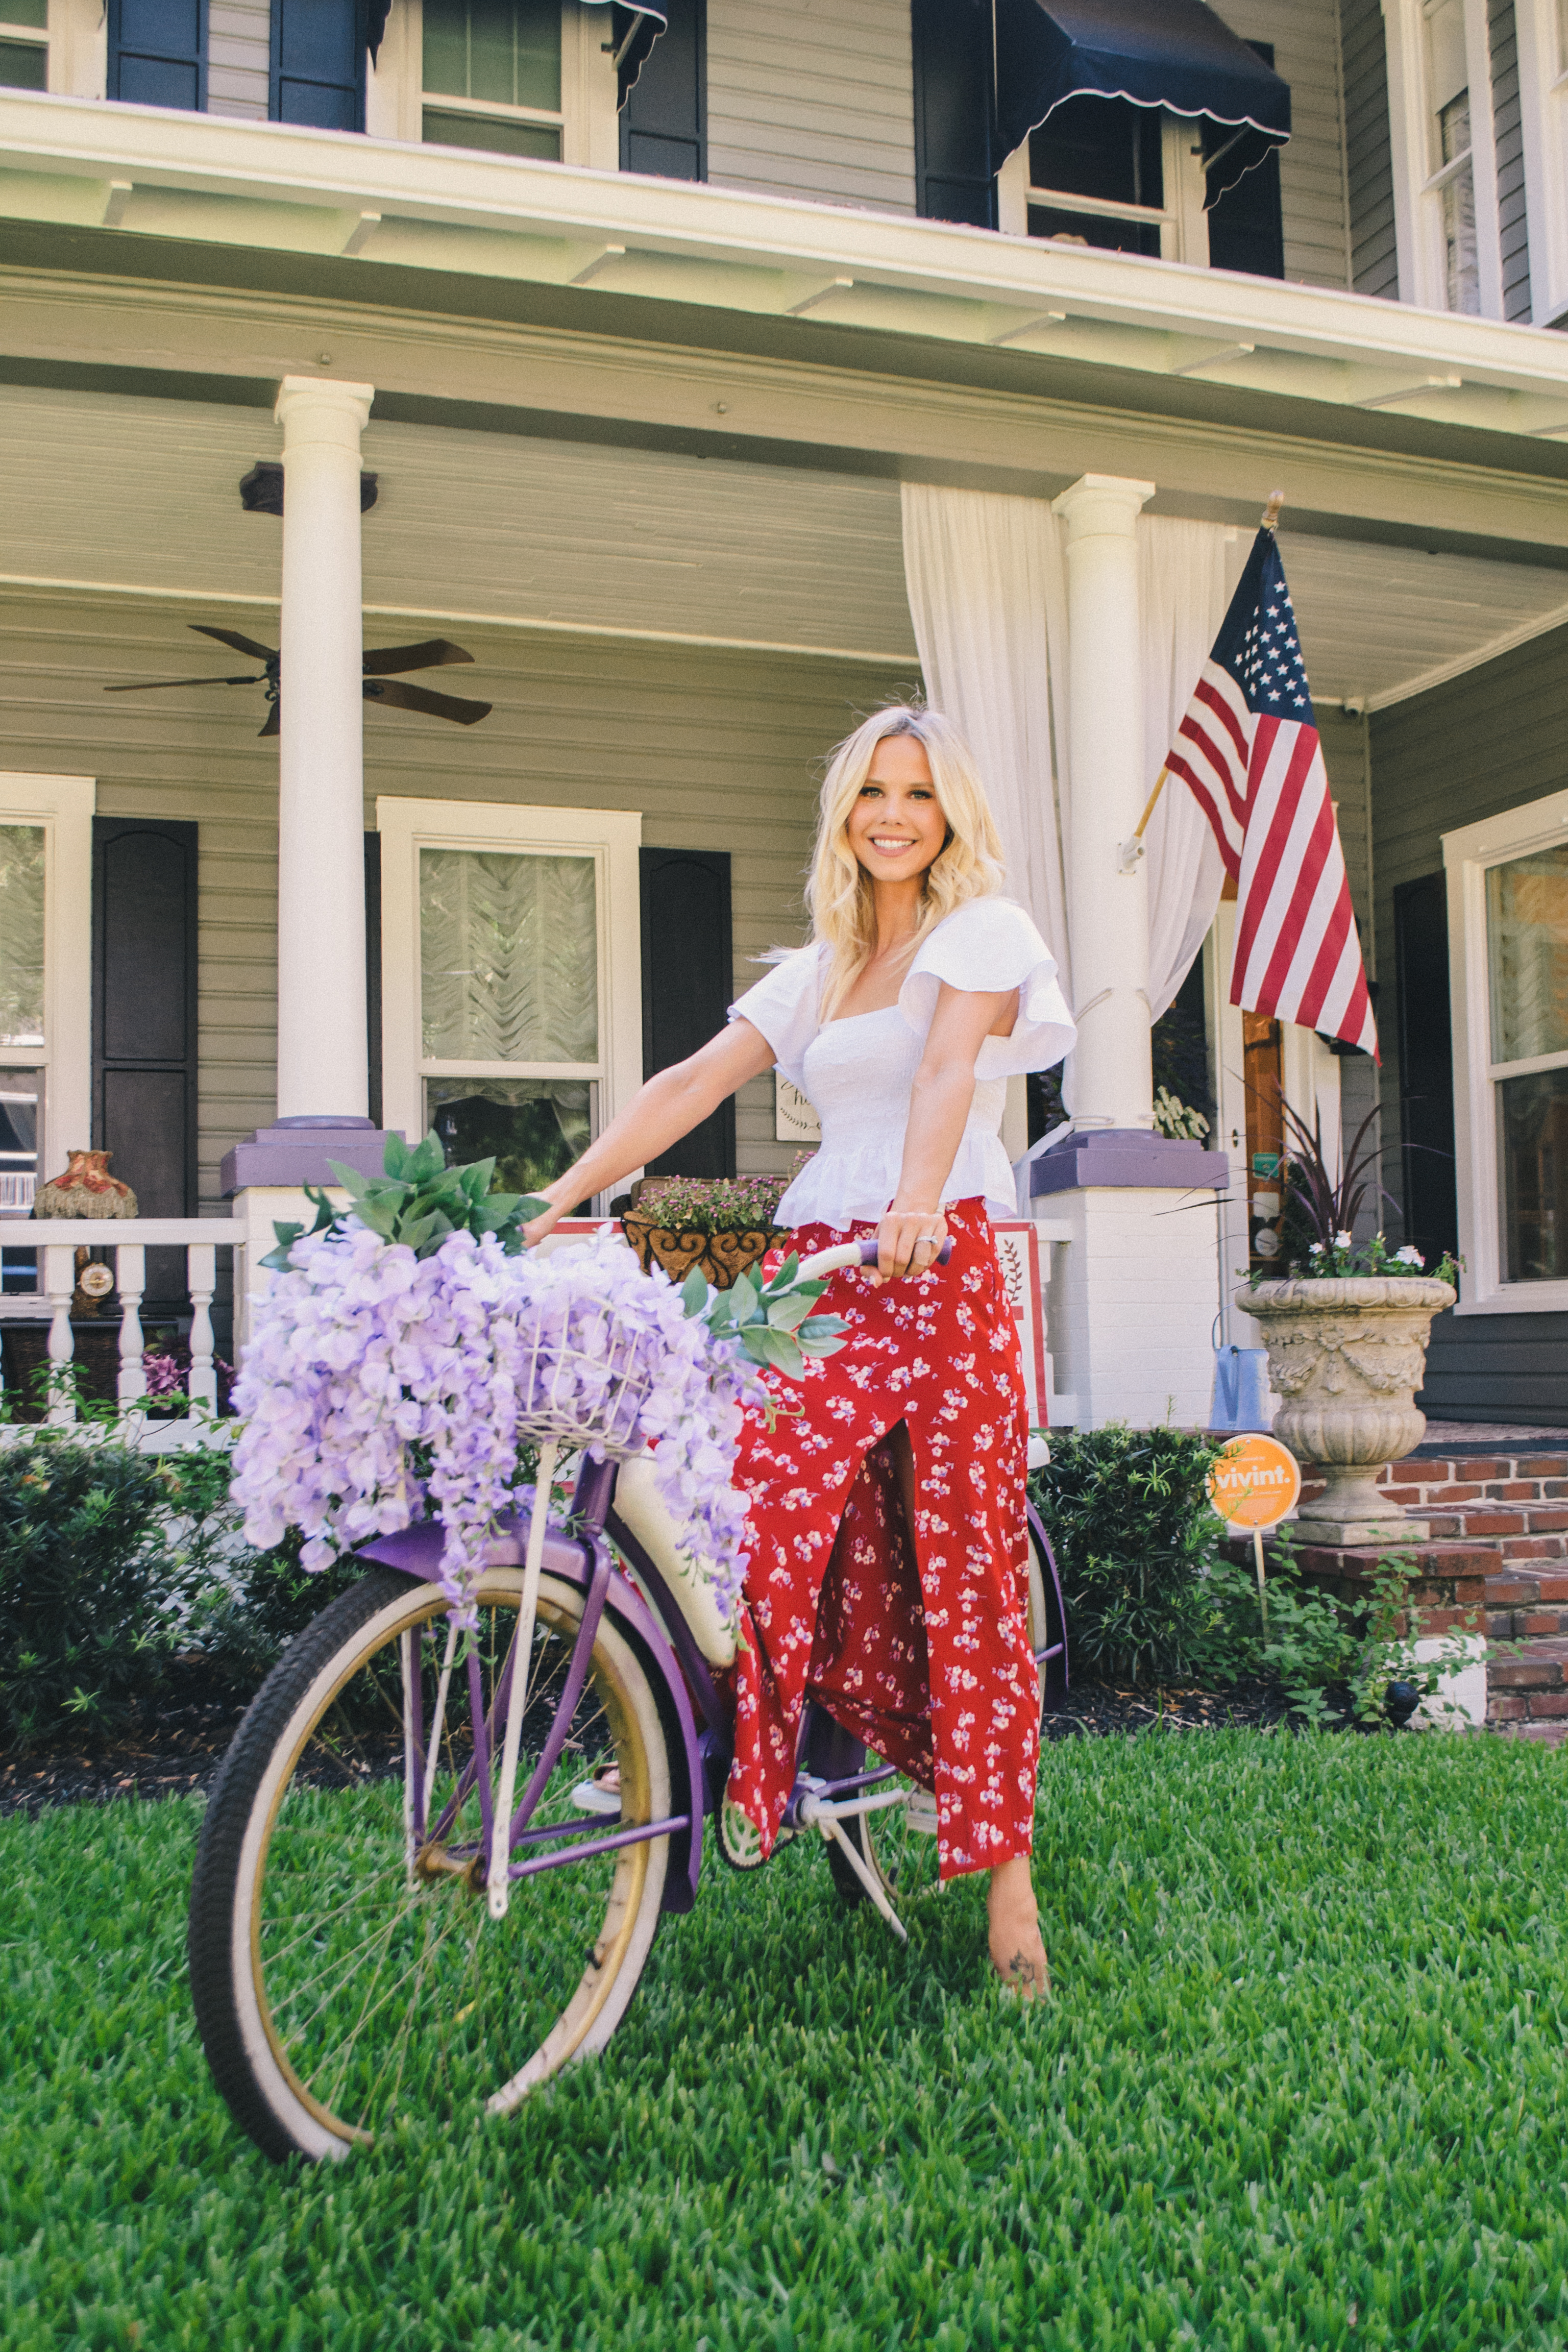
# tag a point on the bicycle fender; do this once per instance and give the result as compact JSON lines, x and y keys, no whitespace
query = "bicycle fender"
{"x":417,"y":1551}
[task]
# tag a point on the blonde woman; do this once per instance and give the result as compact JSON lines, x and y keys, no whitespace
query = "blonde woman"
{"x":888,"y":1577}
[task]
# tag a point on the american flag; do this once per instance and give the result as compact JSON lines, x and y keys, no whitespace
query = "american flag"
{"x":1248,"y":749}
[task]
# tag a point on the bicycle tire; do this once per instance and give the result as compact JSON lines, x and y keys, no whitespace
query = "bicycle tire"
{"x":296,"y":1807}
{"x":901,"y":1857}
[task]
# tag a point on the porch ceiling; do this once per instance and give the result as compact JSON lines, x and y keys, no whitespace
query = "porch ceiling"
{"x":140,"y":497}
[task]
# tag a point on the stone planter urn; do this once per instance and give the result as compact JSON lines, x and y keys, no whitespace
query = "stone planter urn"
{"x":1347,"y":1354}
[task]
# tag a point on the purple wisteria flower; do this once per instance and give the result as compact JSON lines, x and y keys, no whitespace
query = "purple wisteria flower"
{"x":380,"y":1387}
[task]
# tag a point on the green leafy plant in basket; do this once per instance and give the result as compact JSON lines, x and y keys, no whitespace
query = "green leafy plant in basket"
{"x":418,"y":1201}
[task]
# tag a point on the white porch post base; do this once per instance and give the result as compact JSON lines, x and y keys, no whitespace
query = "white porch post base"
{"x":258,"y":1207}
{"x":1132,"y":1303}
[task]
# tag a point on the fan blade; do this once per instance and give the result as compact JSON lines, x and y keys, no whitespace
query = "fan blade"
{"x":272,"y":723}
{"x":231,"y":638}
{"x":150,"y":685}
{"x":434,"y":654}
{"x":416,"y":698}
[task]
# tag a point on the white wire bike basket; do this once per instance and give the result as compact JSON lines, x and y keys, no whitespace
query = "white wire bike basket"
{"x":584,"y":1378}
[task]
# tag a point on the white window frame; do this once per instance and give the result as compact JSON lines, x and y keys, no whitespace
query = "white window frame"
{"x":1181,"y":219}
{"x":612,"y":838}
{"x":1419,"y":176}
{"x":588,"y":118}
{"x":1467,"y":856}
{"x":63,"y":806}
{"x":1544,"y":122}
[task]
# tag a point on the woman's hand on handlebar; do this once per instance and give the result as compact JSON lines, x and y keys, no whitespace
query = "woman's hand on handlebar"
{"x":908,"y":1241}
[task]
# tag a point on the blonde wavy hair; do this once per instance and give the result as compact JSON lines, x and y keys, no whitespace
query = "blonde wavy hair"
{"x":969,"y":865}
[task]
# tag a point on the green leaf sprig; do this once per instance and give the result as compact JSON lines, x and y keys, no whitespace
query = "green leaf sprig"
{"x":419,"y":1201}
{"x":773,"y":1321}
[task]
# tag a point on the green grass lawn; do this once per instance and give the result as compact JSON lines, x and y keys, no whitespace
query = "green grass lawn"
{"x":1302,"y":2085}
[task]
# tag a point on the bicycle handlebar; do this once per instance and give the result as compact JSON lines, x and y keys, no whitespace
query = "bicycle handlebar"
{"x":862,"y":1252}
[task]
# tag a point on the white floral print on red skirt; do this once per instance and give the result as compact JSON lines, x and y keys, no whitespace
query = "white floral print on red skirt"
{"x":926,"y":1659}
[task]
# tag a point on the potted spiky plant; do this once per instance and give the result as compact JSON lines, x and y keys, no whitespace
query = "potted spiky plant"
{"x":1346,"y":1328}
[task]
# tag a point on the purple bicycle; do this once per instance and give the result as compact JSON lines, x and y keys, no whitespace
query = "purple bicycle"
{"x":428,"y":1879}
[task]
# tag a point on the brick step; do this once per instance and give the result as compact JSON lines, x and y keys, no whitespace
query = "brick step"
{"x":1541,"y":1735}
{"x":1540,"y":1666}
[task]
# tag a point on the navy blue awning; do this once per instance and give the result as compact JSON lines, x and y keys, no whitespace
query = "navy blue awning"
{"x":1174,"y":54}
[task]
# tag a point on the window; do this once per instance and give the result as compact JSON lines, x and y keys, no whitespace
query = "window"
{"x":511,"y":1020}
{"x":1445,"y":209}
{"x":1541,"y":26}
{"x":158,"y":53}
{"x":1247,"y":224}
{"x":25,"y":44}
{"x":492,"y":75}
{"x":46,"y":961}
{"x":1103,"y":171}
{"x":1508,"y":906}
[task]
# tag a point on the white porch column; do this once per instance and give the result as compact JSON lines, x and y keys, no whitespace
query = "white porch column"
{"x":1136,"y":1288}
{"x":1108,"y":911}
{"x":322,"y":1062}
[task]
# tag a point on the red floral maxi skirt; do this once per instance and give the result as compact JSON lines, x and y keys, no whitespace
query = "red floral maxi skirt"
{"x":920,"y":1648}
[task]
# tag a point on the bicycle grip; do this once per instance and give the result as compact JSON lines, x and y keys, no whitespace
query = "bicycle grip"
{"x":869,"y":1247}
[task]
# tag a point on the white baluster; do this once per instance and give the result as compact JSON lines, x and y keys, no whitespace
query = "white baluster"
{"x":201,"y":1279}
{"x":59,"y":1286}
{"x":131,"y":1280}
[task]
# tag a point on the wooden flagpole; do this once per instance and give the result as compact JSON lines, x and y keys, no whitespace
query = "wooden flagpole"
{"x":1269,"y":521}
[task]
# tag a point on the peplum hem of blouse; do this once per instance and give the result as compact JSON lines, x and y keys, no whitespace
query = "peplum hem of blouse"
{"x":858,"y":1072}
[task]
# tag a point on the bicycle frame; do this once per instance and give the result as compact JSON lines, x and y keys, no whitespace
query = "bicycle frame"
{"x":701,"y":1707}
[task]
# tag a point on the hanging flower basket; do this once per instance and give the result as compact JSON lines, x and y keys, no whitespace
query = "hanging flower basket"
{"x":724,"y":1226}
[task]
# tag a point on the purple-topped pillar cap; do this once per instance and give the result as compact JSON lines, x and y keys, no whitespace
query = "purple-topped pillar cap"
{"x":1127,"y":1157}
{"x":295,"y":1151}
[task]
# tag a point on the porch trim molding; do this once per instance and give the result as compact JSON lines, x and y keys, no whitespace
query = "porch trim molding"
{"x":63,"y":806}
{"x":280,"y":188}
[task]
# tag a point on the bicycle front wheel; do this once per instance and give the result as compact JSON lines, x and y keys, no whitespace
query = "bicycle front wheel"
{"x":347,"y":1975}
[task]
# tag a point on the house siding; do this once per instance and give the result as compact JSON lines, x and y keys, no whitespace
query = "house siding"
{"x":718,"y":750}
{"x":1344,"y":742}
{"x":1306,"y":44}
{"x":1489,"y":740}
{"x":807,"y":98}
{"x":1369,"y":156}
{"x":1512,"y":227}
{"x":239,"y":58}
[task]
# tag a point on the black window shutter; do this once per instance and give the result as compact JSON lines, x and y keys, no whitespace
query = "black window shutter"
{"x":158,"y":53}
{"x":688,"y":984}
{"x":144,"y":1020}
{"x":664,"y":122}
{"x":954,"y":111}
{"x":318,"y":63}
{"x":1426,"y":1065}
{"x":1247,"y":228}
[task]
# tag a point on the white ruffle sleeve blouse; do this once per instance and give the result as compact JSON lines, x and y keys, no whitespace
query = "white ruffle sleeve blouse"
{"x":859,"y":1074}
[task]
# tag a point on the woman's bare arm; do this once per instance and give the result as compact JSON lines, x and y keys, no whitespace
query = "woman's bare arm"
{"x":939,"y":1105}
{"x":669,"y":1106}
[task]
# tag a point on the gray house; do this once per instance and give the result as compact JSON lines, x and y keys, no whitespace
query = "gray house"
{"x":535,"y":430}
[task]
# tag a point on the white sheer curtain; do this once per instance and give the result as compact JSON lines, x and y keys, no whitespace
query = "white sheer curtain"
{"x":1182,"y":585}
{"x":987,"y":589}
{"x":988,"y":598}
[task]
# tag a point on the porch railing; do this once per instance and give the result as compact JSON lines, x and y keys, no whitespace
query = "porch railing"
{"x":127,"y":1241}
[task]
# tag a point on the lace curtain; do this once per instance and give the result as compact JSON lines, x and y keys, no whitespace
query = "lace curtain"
{"x":22,"y":857}
{"x":509,"y":957}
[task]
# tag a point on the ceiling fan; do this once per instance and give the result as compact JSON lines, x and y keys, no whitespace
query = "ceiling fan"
{"x":381,"y":683}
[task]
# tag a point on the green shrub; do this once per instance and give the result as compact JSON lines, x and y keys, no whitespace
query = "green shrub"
{"x":1133,"y":1536}
{"x":84,"y":1566}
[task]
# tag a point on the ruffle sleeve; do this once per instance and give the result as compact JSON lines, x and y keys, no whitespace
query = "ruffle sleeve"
{"x":783,"y":1006}
{"x":987,"y":945}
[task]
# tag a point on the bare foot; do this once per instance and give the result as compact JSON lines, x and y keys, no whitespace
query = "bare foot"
{"x":1018,"y":1953}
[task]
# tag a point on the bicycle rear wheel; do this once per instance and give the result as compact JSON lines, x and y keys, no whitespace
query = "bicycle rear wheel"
{"x":348,"y":1978}
{"x":898,"y":1843}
